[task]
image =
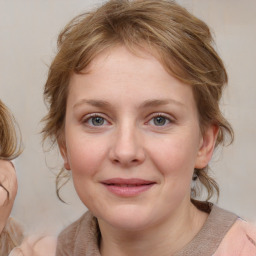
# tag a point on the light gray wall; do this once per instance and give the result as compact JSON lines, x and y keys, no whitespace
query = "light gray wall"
{"x":28,"y":32}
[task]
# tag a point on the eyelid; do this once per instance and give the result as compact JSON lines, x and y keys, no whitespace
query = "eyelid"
{"x":167,"y":116}
{"x":87,"y":117}
{"x":170,"y":121}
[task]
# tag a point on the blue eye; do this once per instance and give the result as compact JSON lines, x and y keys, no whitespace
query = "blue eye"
{"x":160,"y":120}
{"x":95,"y":120}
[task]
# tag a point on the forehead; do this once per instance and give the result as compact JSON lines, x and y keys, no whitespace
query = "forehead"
{"x":120,"y":57}
{"x":121,"y":72}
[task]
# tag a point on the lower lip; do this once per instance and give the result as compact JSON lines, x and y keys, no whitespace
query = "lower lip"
{"x":128,"y":191}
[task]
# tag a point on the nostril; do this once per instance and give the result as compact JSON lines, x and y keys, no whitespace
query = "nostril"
{"x":126,"y":162}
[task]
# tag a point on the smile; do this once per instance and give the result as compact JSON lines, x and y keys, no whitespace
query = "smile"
{"x":127,"y":187}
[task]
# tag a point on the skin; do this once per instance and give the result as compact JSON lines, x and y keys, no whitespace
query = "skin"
{"x":128,"y":92}
{"x":36,"y":246}
{"x":32,"y":245}
{"x":9,"y":182}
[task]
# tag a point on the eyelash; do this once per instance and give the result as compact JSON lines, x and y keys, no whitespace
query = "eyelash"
{"x":166,"y":118}
{"x":89,"y":117}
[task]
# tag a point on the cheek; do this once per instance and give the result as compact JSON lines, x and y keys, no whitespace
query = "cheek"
{"x":175,"y":159}
{"x":85,"y":156}
{"x":175,"y":156}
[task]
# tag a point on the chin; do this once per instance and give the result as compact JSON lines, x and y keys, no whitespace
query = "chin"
{"x":128,"y":217}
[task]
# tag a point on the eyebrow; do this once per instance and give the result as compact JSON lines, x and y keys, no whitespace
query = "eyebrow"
{"x":95,"y":103}
{"x":160,"y":102}
{"x":145,"y":104}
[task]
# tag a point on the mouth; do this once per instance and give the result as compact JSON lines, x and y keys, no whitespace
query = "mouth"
{"x":128,"y":187}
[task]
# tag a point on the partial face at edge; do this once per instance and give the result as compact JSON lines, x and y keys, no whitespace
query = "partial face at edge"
{"x":129,"y":121}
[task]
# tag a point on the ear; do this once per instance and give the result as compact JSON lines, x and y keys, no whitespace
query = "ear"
{"x":63,"y":152}
{"x":207,"y":145}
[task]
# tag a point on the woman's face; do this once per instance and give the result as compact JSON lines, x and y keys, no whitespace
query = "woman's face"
{"x":132,"y":139}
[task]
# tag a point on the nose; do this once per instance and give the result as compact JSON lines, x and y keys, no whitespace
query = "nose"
{"x":127,"y":147}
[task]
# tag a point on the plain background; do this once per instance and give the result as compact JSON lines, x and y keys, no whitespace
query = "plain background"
{"x":28,"y":33}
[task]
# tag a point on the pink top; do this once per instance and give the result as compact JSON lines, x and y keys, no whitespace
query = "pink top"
{"x":239,"y":241}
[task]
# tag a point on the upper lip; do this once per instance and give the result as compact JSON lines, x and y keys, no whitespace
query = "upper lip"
{"x":122,"y":181}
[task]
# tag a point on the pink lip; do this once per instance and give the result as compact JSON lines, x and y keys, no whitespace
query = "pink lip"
{"x":127,"y":187}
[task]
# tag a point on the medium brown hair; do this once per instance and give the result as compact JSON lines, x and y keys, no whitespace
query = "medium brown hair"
{"x":183,"y":43}
{"x":10,"y":146}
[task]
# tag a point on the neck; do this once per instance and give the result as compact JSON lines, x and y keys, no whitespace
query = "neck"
{"x":163,"y":238}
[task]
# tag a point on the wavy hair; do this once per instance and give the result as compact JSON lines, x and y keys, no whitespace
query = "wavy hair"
{"x":182,"y":42}
{"x":10,"y":139}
